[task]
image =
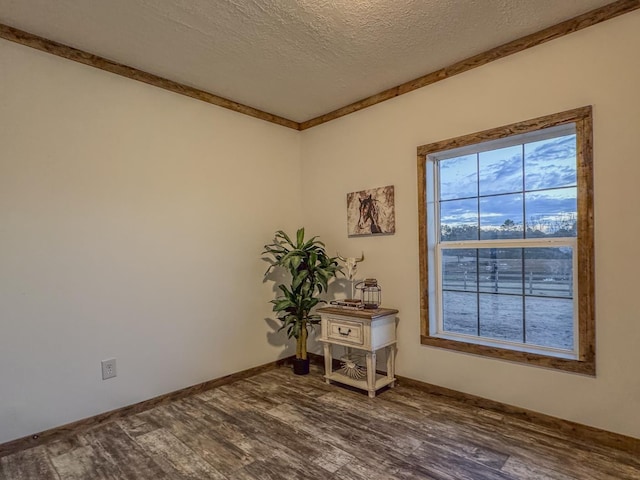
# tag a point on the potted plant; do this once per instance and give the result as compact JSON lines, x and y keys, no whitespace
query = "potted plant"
{"x":310,"y":269}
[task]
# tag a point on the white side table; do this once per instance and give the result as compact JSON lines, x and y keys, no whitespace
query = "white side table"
{"x":366,"y":330}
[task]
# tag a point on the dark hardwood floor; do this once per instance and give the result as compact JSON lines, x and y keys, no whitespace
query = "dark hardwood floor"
{"x":279,"y":426}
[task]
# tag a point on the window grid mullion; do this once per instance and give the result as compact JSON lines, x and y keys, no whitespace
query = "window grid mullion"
{"x":524,"y":235}
{"x":536,"y":190}
{"x":438,"y":250}
{"x":477,"y":250}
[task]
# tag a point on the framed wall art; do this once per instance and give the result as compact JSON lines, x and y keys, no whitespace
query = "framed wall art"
{"x":371,"y":212}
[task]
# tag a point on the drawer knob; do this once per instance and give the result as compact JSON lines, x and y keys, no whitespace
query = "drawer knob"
{"x":346,"y":334}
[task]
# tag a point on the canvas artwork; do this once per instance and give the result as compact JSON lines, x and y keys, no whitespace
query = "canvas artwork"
{"x":371,"y":212}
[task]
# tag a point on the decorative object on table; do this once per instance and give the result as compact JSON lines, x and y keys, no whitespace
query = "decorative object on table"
{"x":370,"y":293}
{"x":371,"y":212}
{"x":365,"y":331}
{"x":351,"y":367}
{"x":310,"y":269}
{"x":351,"y":264}
{"x":354,"y":304}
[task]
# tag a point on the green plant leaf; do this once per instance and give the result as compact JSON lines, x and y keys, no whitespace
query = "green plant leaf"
{"x":299,"y":278}
{"x":310,"y":243}
{"x":313,"y":258}
{"x":281,"y":235}
{"x":296,"y":260}
{"x":281,"y":305}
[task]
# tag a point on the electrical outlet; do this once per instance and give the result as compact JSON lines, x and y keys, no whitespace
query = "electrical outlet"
{"x":108,"y":368}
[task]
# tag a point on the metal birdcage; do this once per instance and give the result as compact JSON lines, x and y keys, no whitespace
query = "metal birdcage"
{"x":370,"y":293}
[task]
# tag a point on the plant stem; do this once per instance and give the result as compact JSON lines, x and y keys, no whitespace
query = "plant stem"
{"x":301,"y":348}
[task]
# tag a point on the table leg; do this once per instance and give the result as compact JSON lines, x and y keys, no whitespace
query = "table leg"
{"x":391,"y":364}
{"x":371,"y":373}
{"x":328,"y":362}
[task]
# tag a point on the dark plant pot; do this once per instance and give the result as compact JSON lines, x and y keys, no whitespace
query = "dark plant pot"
{"x":300,"y":366}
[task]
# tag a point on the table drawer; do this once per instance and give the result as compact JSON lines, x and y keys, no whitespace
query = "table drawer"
{"x":345,"y":331}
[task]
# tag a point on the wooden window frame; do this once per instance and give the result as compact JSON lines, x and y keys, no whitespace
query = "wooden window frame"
{"x":585,"y":363}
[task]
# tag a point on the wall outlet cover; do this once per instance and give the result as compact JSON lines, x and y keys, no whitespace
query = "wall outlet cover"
{"x":108,"y":368}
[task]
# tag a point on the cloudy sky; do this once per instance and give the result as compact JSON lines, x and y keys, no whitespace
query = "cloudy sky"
{"x":534,"y":180}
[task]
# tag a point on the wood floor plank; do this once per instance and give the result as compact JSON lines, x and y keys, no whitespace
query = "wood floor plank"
{"x":524,"y":470}
{"x":277,"y":425}
{"x":138,"y":424}
{"x":292,"y":422}
{"x":513,"y":442}
{"x":275,"y":432}
{"x":86,"y":462}
{"x":498,"y":424}
{"x":375,"y":409}
{"x":593,"y":451}
{"x":245,"y":437}
{"x":332,"y":458}
{"x":400,"y":422}
{"x":557,"y":453}
{"x":359,"y":470}
{"x":28,"y":464}
{"x":133,"y":461}
{"x":283,"y":465}
{"x":188,"y":424}
{"x":65,"y":445}
{"x":376,"y":431}
{"x":294,"y":384}
{"x":358,"y":440}
{"x":440,"y":460}
{"x":175,"y":458}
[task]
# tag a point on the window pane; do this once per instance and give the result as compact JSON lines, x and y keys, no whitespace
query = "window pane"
{"x":501,"y":171}
{"x":549,"y":322}
{"x":459,"y":177}
{"x":501,"y":217}
{"x":460,"y":312}
{"x":501,"y":317}
{"x":548,"y":272}
{"x":459,"y":267}
{"x":459,"y":220}
{"x":550,"y":163}
{"x":501,"y":270}
{"x":552,"y":213}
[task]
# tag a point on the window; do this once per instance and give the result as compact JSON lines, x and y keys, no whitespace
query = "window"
{"x":506,"y":242}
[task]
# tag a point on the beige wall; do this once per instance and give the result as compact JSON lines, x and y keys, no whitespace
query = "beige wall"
{"x":132,"y":221}
{"x":377,"y":147}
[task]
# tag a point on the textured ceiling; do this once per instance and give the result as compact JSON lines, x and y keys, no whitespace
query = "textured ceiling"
{"x":294,"y":58}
